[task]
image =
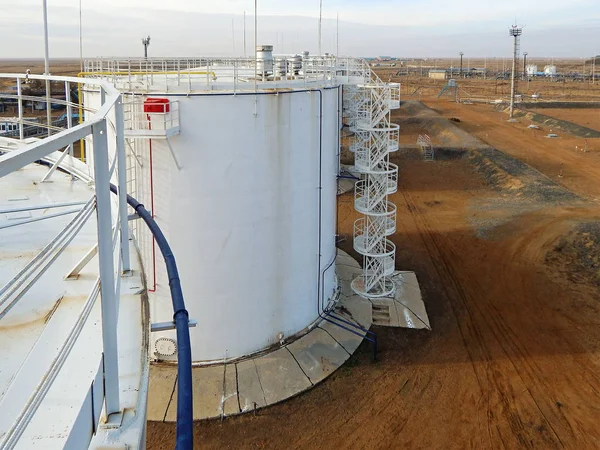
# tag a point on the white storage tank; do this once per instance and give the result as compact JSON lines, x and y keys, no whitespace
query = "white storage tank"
{"x":531,"y":69}
{"x":550,"y":71}
{"x":246,"y":196}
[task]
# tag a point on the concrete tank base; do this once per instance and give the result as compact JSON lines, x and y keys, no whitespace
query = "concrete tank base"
{"x":266,"y":379}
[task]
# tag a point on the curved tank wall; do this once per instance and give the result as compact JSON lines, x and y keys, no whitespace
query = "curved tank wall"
{"x":251,"y":216}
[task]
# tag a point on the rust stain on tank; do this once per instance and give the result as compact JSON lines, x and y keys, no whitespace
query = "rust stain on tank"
{"x":48,"y":316}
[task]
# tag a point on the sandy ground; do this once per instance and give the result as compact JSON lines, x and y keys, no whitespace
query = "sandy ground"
{"x":510,"y":282}
{"x":560,"y":159}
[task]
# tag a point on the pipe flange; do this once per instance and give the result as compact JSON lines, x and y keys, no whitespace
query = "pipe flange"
{"x":165,"y":347}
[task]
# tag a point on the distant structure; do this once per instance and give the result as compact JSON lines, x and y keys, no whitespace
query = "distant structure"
{"x":531,"y":70}
{"x":550,"y":71}
{"x":516,"y":33}
{"x":146,"y":43}
{"x":451,"y":88}
{"x":438,"y":74}
{"x":424,"y":143}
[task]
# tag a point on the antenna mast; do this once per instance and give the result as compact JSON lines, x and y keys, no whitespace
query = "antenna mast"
{"x":233,"y":36}
{"x":146,"y":43}
{"x":46,"y":60}
{"x":337,"y":35}
{"x":255,"y":42}
{"x":516,"y":33}
{"x":245,"y":53}
{"x":47,"y":67}
{"x":80,"y":40}
{"x":320,"y":23}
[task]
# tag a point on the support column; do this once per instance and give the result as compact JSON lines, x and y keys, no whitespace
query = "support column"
{"x":105,"y":258}
{"x":122,"y":176}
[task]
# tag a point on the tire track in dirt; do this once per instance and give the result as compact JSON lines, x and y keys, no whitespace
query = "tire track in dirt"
{"x":440,"y":251}
{"x":500,"y":335}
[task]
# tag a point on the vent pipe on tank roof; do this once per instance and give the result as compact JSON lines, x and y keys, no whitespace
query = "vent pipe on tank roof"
{"x":264,"y":59}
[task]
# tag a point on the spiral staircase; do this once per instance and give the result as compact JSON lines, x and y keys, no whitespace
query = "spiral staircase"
{"x":367,"y":112}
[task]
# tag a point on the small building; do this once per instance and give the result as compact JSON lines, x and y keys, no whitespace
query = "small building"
{"x":437,"y":74}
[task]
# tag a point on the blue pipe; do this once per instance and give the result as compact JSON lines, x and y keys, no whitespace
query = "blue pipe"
{"x":185,"y":410}
{"x":349,"y":177}
{"x":368,"y":335}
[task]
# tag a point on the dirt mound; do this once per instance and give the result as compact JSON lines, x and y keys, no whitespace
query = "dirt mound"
{"x":504,"y":172}
{"x":567,"y":127}
{"x":551,"y":105}
{"x":577,"y":254}
{"x":554,"y":123}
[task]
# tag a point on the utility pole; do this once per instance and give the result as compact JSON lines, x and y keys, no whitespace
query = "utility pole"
{"x":146,"y":43}
{"x":525,"y":64}
{"x":320,"y":23}
{"x":245,"y":53}
{"x":461,"y":64}
{"x":80,"y":41}
{"x":255,"y":47}
{"x":514,"y":32}
{"x":337,"y":36}
{"x":47,"y":68}
{"x":594,"y":70}
{"x":233,"y":36}
{"x":485,"y":68}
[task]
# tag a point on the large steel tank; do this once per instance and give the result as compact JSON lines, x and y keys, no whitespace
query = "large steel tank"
{"x":250,"y":216}
{"x":245,"y":193}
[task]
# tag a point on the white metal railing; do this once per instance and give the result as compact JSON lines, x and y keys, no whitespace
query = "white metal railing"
{"x":111,"y":225}
{"x":366,"y":233}
{"x":394,"y":138}
{"x":234,"y":74}
{"x":367,"y":111}
{"x":394,"y":95}
{"x":424,"y":142}
{"x":163,"y":121}
{"x":392,"y":179}
{"x":371,"y":148}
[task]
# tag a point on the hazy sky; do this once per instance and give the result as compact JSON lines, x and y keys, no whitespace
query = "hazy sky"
{"x":430,"y":28}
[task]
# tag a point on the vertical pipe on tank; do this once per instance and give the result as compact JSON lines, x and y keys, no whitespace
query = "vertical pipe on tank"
{"x":255,"y":44}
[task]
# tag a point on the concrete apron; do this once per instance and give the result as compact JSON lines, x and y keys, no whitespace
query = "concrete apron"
{"x":244,"y":386}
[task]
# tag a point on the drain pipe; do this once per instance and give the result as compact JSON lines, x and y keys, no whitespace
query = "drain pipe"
{"x":185,"y":416}
{"x":321,"y":274}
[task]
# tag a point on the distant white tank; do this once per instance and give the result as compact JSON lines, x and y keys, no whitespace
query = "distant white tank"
{"x":550,"y":71}
{"x":531,"y":69}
